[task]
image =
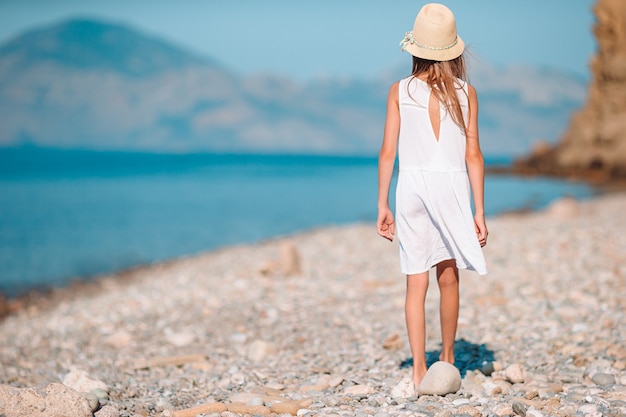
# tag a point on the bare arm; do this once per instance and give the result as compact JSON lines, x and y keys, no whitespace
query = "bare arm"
{"x":476,"y":167}
{"x":386,"y":159}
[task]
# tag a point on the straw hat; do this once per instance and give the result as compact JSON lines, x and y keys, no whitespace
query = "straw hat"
{"x":434,"y":35}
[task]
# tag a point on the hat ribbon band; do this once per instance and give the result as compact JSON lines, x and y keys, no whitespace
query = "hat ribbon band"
{"x":408,"y":38}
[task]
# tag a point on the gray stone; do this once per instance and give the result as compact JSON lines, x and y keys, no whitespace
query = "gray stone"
{"x":255,"y":401}
{"x":487,"y":368}
{"x":92,"y":400}
{"x":603,"y":379}
{"x":330,"y":401}
{"x":100,"y":393}
{"x":519,"y":408}
{"x":442,"y":378}
{"x":418,"y":408}
{"x":107,"y":411}
{"x":242,"y":397}
{"x":599,"y":366}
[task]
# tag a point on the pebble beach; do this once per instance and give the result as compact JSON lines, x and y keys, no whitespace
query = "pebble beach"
{"x":313,"y":325}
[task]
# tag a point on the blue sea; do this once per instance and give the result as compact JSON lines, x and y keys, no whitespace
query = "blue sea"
{"x":70,"y":214}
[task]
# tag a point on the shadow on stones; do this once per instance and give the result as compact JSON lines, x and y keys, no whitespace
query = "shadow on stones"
{"x":468,"y":356}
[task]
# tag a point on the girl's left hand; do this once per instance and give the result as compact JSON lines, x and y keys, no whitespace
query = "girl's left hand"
{"x":481,"y":230}
{"x":385,"y":225}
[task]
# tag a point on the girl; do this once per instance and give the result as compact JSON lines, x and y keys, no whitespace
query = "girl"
{"x":432,"y":124}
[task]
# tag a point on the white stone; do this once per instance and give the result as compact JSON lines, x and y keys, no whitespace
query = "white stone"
{"x":275,"y":385}
{"x":335,"y":381}
{"x":119,"y":339}
{"x":505,"y":386}
{"x":359,"y":390}
{"x":503,"y":409}
{"x":79,"y":380}
{"x":515,"y":373}
{"x":442,"y":378}
{"x":491,"y":388}
{"x":588,"y":409}
{"x":289,"y":259}
{"x":242,"y":397}
{"x":564,"y":208}
{"x":534,"y":413}
{"x":404,"y":389}
{"x":599,"y":366}
{"x":53,"y":400}
{"x":180,"y":339}
{"x":259,"y":349}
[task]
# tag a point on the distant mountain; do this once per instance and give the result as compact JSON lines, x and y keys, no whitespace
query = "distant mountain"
{"x":89,"y":84}
{"x":92,"y":45}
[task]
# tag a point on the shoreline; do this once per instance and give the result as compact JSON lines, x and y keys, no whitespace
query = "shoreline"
{"x":84,"y":286}
{"x":46,"y":297}
{"x":43,"y":297}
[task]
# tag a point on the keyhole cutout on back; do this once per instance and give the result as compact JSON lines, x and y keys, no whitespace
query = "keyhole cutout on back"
{"x":433,"y":114}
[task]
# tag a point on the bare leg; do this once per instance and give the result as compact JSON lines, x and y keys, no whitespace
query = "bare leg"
{"x":416,"y":287}
{"x":448,"y":280}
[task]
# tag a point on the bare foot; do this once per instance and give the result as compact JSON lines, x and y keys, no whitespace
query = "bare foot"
{"x":418,"y":375}
{"x":447,"y":358}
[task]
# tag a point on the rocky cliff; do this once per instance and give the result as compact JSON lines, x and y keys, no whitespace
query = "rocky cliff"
{"x":594,"y":144}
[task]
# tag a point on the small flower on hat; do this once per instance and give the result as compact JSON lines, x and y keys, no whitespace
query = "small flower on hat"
{"x":408,"y":38}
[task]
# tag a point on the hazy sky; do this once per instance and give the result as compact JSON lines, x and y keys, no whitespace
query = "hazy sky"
{"x":306,"y":39}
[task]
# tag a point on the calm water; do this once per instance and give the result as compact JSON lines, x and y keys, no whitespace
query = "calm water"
{"x":68,"y":214}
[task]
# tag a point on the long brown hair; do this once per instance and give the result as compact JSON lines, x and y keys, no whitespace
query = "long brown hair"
{"x":441,"y":78}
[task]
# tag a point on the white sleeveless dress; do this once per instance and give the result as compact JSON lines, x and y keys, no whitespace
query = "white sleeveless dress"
{"x":434,"y":220}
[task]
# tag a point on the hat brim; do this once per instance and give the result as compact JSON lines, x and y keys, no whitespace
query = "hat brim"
{"x":437,"y":55}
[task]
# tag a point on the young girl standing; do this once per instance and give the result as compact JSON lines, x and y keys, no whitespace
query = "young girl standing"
{"x":432,"y":125}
